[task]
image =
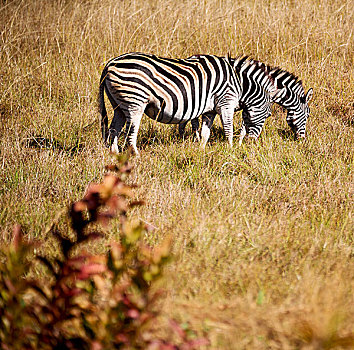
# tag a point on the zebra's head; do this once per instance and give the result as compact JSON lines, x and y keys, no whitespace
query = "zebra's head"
{"x":291,"y":95}
{"x":298,"y":109}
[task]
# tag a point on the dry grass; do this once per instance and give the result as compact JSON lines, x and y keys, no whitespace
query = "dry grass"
{"x":263,"y":233}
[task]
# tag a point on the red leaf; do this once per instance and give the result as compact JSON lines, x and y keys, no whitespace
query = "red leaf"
{"x":72,"y":292}
{"x":177,"y":328}
{"x":17,"y":236}
{"x":133,"y":313}
{"x":74,"y":261}
{"x":110,"y":181}
{"x":90,"y":269}
{"x":10,"y":286}
{"x":95,"y":345}
{"x":117,"y":203}
{"x":93,"y":189}
{"x":104,"y":218}
{"x":122,"y":338}
{"x":79,"y":206}
{"x":91,"y":236}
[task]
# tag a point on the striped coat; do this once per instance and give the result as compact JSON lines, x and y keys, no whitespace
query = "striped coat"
{"x":168,"y":90}
{"x":261,"y":86}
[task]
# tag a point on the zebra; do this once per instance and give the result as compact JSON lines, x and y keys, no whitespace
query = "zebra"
{"x":167,"y":90}
{"x":262,"y":86}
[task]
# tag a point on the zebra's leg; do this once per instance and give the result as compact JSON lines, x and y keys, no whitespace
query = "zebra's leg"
{"x":181,"y":128}
{"x":252,"y":123}
{"x":115,"y":129}
{"x":134,"y":116}
{"x":195,"y":128}
{"x":207,"y":122}
{"x":254,"y":129}
{"x":246,"y":123}
{"x":227,"y":119}
{"x":243,"y":132}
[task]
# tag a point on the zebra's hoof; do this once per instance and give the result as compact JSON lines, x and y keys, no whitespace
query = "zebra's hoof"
{"x":197,"y":136}
{"x":114,"y":149}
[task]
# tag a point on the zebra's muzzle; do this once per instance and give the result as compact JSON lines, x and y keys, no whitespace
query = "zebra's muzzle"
{"x":300,"y":136}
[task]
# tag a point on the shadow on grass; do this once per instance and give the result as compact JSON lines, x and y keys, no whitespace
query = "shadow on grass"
{"x":162,"y":136}
{"x":41,"y":142}
{"x":168,"y":134}
{"x":150,"y":138}
{"x":286,"y":134}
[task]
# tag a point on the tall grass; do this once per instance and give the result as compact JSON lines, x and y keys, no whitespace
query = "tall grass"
{"x":263,"y":233}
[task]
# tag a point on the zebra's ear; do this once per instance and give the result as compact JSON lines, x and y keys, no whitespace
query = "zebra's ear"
{"x":309,"y":95}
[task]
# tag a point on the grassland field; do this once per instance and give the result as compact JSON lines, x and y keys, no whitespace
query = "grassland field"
{"x":263,"y":234}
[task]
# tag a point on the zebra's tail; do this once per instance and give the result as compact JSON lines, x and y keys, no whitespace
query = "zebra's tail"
{"x":102,"y":107}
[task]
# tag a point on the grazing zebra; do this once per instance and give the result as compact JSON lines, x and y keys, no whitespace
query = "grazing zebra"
{"x":263,"y":85}
{"x":168,"y":90}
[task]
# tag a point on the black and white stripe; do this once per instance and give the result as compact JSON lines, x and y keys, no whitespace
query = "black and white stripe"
{"x":262,"y":86}
{"x":257,"y":91}
{"x":168,"y":90}
{"x":291,"y":95}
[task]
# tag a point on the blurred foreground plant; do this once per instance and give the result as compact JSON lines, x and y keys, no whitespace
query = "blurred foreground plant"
{"x":88,"y":301}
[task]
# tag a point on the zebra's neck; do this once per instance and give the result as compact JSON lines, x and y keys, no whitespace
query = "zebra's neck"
{"x":289,"y":88}
{"x":255,"y":79}
{"x":283,"y":87}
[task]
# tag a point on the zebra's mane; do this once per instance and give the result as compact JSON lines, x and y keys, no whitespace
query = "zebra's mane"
{"x":276,"y":74}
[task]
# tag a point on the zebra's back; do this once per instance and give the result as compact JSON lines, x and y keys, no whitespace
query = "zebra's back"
{"x":170,"y":90}
{"x":167,"y":90}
